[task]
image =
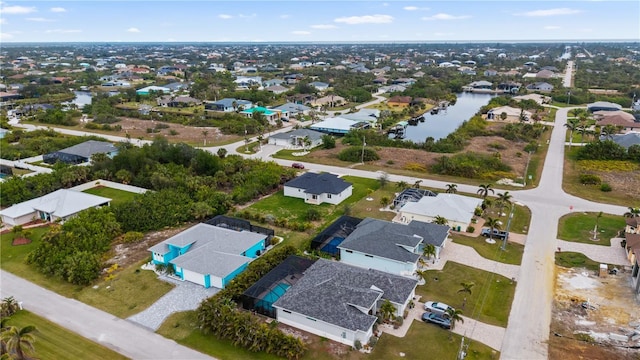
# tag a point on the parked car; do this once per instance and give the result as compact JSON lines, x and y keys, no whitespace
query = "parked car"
{"x":297,"y":166}
{"x":497,"y":234}
{"x":436,"y":319}
{"x":437,"y":308}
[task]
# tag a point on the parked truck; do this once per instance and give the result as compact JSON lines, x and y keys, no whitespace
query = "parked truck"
{"x":497,"y":234}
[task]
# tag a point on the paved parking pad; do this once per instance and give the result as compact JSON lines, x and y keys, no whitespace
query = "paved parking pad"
{"x":185,"y":296}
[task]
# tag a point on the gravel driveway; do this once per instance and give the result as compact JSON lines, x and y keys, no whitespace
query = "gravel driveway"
{"x":185,"y":296}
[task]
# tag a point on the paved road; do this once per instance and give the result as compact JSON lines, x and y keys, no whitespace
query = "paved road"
{"x":567,"y":80}
{"x":117,"y":334}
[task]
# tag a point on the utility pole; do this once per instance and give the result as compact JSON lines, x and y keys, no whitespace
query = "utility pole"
{"x":364,"y":143}
{"x":504,"y":242}
{"x":569,"y":97}
{"x":526,"y":169}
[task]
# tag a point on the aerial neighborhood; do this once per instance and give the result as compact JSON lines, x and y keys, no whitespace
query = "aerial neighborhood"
{"x":310,"y":200}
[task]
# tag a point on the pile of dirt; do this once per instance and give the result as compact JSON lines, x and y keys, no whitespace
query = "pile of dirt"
{"x":592,"y":315}
{"x":20,"y":241}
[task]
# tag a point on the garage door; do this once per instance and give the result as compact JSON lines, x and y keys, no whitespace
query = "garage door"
{"x":193,"y":277}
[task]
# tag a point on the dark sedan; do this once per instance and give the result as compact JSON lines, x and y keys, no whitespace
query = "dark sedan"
{"x":437,"y":319}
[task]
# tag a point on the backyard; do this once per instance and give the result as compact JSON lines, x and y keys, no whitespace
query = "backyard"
{"x":579,"y":227}
{"x":56,"y":342}
{"x":489,"y":302}
{"x":117,"y":196}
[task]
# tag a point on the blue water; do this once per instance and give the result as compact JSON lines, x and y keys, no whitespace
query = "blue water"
{"x":332,"y":246}
{"x":445,"y":122}
{"x":2,"y":176}
{"x":267,"y":301}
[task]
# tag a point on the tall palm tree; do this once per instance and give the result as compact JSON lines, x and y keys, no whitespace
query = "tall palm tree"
{"x":455,"y":315}
{"x":484,"y":190}
{"x":571,"y":125}
{"x":387,"y":310}
{"x":486,"y":205}
{"x":204,"y":135}
{"x":19,"y":341}
{"x":452,"y":188}
{"x":384,"y":201}
{"x":422,"y":275}
{"x":429,"y":250}
{"x":633,"y":212}
{"x":494,"y":224}
{"x":466,"y":288}
{"x":595,"y":229}
{"x":504,"y":199}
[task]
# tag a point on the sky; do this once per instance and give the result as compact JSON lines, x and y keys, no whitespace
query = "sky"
{"x":317,"y":21}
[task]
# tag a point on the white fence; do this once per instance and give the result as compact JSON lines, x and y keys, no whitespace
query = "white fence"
{"x":110,"y":184}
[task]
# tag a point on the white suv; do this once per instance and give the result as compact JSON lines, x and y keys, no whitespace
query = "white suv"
{"x":436,"y":307}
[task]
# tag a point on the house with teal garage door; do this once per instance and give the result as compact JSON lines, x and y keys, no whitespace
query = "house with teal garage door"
{"x":209,"y":255}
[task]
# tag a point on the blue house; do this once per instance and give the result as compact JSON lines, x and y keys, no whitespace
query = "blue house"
{"x":228,"y":105}
{"x":209,"y":255}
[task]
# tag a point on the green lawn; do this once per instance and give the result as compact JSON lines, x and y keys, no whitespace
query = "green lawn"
{"x":579,"y":227}
{"x":130,"y":291}
{"x":573,"y":259}
{"x":427,"y":341}
{"x":371,"y":208}
{"x":117,"y":196}
{"x":495,"y":291}
{"x":250,"y":148}
{"x":55,"y":342}
{"x":512,"y":254}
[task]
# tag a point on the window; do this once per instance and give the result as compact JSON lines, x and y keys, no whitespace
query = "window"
{"x":328,"y":196}
{"x":312,"y":319}
{"x":287,"y":311}
{"x":349,"y":251}
{"x":314,"y":197}
{"x":368,"y":255}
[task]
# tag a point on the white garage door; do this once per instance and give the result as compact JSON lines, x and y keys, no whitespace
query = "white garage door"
{"x":193,"y":277}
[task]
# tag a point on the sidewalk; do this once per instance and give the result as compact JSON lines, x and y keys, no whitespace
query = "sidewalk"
{"x":613,"y":254}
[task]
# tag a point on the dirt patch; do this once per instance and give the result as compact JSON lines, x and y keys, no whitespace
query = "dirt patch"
{"x":511,"y":153}
{"x":20,"y":241}
{"x":586,"y":310}
{"x":623,"y":182}
{"x":317,"y":344}
{"x":127,"y":254}
{"x":137,"y":128}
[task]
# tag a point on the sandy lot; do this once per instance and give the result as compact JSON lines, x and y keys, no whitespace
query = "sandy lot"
{"x":585,"y":332}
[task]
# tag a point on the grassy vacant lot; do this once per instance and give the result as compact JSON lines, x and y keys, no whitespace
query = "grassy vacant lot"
{"x":130,"y":291}
{"x":365,"y":208}
{"x":117,"y":196}
{"x":55,"y":342}
{"x":491,"y":291}
{"x":427,"y":341}
{"x":578,"y":227}
{"x":573,"y":259}
{"x":512,"y":254}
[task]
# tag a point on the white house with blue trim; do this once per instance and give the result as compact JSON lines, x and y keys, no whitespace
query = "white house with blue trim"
{"x":209,"y":255}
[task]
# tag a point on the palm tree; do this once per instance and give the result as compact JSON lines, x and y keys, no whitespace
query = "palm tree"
{"x":633,"y":212}
{"x":416,"y":185}
{"x":384,"y":201}
{"x":387,"y":310}
{"x":19,"y":341}
{"x":485,"y":189}
{"x":401,"y":185}
{"x":204,"y":134}
{"x":440,"y":220}
{"x":452,"y":188}
{"x":494,"y":224}
{"x":429,"y":250}
{"x":504,"y":199}
{"x":595,"y":229}
{"x":466,"y":288}
{"x":572,"y":125}
{"x":454,"y":315}
{"x":486,"y":205}
{"x":422,"y":276}
{"x":9,"y":305}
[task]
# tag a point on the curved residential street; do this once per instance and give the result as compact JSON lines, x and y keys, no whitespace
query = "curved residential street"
{"x":122,"y":336}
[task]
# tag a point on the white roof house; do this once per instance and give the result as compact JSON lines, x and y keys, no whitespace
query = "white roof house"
{"x":336,"y":125}
{"x":457,"y":209}
{"x":61,"y":204}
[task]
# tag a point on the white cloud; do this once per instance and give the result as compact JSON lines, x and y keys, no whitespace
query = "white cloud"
{"x":443,"y":16}
{"x":285,"y":16}
{"x":324,"y":26}
{"x":58,"y":9}
{"x":62,"y":31}
{"x":415,"y":8}
{"x":17,"y":9}
{"x":550,"y":12}
{"x":300,"y":32}
{"x":133,"y":30}
{"x":5,"y":36}
{"x":366,"y":19}
{"x":551,"y":27}
{"x":3,"y":21}
{"x":40,"y":19}
{"x":250,"y":16}
{"x":225,"y":16}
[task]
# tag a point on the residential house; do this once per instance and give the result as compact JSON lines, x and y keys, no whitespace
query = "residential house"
{"x":177,"y":101}
{"x":290,"y":109}
{"x":367,"y":115}
{"x":328,"y":101}
{"x":632,"y":225}
{"x":621,"y":119}
{"x":301,"y":98}
{"x":603,"y":106}
{"x":320,"y":86}
{"x":540,"y":99}
{"x":158,"y":89}
{"x":457,"y":209}
{"x":227,"y":105}
{"x":246,"y":82}
{"x":317,"y":188}
{"x":59,"y":205}
{"x":545,"y":74}
{"x":338,"y":125}
{"x":399,"y":101}
{"x":209,"y":255}
{"x":391,"y":247}
{"x":626,"y":140}
{"x":513,"y":114}
{"x":490,"y":72}
{"x":392,"y":88}
{"x":272,"y":82}
{"x":480,"y":85}
{"x":81,"y":153}
{"x":277,"y":89}
{"x":271,"y":115}
{"x":295,"y":139}
{"x":339,"y":302}
{"x":540,"y":86}
{"x":632,"y":248}
{"x":509,"y":87}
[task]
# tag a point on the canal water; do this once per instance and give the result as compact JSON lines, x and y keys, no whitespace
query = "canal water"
{"x":82,"y":98}
{"x":445,"y":122}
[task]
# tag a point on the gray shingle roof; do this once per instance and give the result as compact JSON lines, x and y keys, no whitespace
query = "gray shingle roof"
{"x":324,"y":183}
{"x":329,"y":290}
{"x":301,"y":133}
{"x":207,"y":260}
{"x":386,"y":239}
{"x":89,"y":148}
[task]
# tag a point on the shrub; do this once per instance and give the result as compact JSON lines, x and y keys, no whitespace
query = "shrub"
{"x":312,"y":214}
{"x":390,"y":162}
{"x":605,"y":187}
{"x":471,"y":229}
{"x":373,"y":341}
{"x":497,"y":146}
{"x":356,"y":154}
{"x":357,"y":344}
{"x":132,"y":236}
{"x":173,"y":132}
{"x":415,"y":167}
{"x":590,"y":179}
